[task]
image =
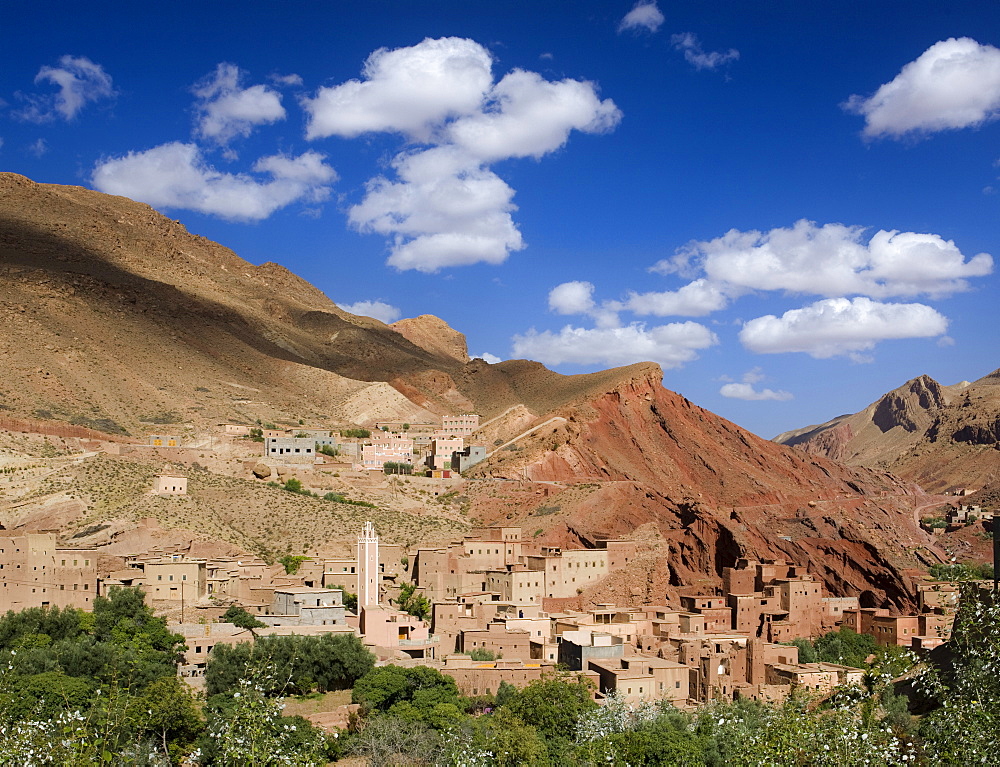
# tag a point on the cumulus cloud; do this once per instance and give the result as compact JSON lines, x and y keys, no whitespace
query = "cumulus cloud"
{"x":577,"y":298}
{"x":746,"y":391}
{"x":840,"y":326}
{"x":644,"y":16}
{"x":445,"y":206}
{"x":572,"y":298}
{"x":175,"y":175}
{"x":226,"y":110}
{"x":80,"y":81}
{"x":690,"y":46}
{"x":670,"y":345}
{"x":490,"y":358}
{"x":440,"y":214}
{"x":528,"y":116}
{"x":696,"y":299}
{"x":406,"y":90}
{"x":378,"y":310}
{"x":830,"y":260}
{"x":953,"y":84}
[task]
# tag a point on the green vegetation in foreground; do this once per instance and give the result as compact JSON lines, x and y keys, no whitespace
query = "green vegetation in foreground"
{"x":82,"y":689}
{"x":961,"y":571}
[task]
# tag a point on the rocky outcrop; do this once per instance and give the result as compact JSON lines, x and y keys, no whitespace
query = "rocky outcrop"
{"x":900,"y":408}
{"x":434,"y":335}
{"x":712,"y":491}
{"x":939,"y":436}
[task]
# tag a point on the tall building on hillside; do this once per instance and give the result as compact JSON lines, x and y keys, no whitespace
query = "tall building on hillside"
{"x":368,"y":580}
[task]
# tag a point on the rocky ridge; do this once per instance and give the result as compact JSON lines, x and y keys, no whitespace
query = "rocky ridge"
{"x":942,"y":437}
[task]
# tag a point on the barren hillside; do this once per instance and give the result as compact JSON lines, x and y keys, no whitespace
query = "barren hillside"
{"x":115,"y":318}
{"x":941,"y":437}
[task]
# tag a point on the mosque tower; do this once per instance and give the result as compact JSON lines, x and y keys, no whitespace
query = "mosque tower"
{"x":369,"y":576}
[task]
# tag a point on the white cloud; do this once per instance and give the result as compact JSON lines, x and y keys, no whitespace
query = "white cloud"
{"x":572,"y":298}
{"x":38,"y":148}
{"x":490,"y":358}
{"x":753,"y":375}
{"x":175,"y":175}
{"x":953,"y":84}
{"x":688,"y":43}
{"x":577,"y":298}
{"x":670,"y":345}
{"x":643,"y":16}
{"x":440,"y":214}
{"x":286,"y":80}
{"x":840,"y":326}
{"x":406,"y":90}
{"x":528,"y":116}
{"x":830,"y":260}
{"x":446,"y":207}
{"x":226,"y":110}
{"x":378,"y":310}
{"x":696,"y":299}
{"x":80,"y":81}
{"x":746,"y":391}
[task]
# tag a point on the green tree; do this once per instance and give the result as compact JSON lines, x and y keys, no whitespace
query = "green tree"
{"x":964,"y":727}
{"x":292,"y":562}
{"x":238,"y":616}
{"x":300,"y":664}
{"x":553,"y":704}
{"x":846,"y":646}
{"x":411,"y":602}
{"x":419,"y":693}
{"x":172,"y":716}
{"x":249,"y":730}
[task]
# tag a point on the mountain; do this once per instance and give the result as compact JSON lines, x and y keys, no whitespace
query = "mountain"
{"x":114,"y":317}
{"x":942,"y":437}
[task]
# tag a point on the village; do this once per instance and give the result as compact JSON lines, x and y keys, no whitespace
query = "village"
{"x":491,"y":607}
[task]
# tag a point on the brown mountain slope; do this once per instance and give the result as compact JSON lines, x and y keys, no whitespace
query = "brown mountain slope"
{"x":109,"y":310}
{"x":112,"y":315}
{"x":938,"y":436}
{"x":713,"y":491}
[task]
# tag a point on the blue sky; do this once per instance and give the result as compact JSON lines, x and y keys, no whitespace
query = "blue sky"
{"x":792,"y":207}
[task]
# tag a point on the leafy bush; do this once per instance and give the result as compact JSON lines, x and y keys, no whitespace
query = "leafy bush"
{"x":962,"y":571}
{"x":355,"y":433}
{"x":299,"y":664}
{"x":292,"y":562}
{"x":240,"y":617}
{"x":411,"y":602}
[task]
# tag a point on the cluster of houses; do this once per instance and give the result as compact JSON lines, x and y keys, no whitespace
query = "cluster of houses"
{"x":494,"y":595}
{"x":438,"y":449}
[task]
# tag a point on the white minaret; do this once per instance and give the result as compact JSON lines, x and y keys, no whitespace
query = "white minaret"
{"x":368,"y":575}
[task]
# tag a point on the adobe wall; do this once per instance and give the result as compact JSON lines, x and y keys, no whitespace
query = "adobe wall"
{"x":63,"y":431}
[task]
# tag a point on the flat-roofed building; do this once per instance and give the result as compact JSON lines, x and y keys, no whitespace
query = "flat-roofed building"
{"x":290,"y":449}
{"x":170,"y":484}
{"x":305,"y":606}
{"x":35,"y":572}
{"x":636,"y":678}
{"x":460,"y":425}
